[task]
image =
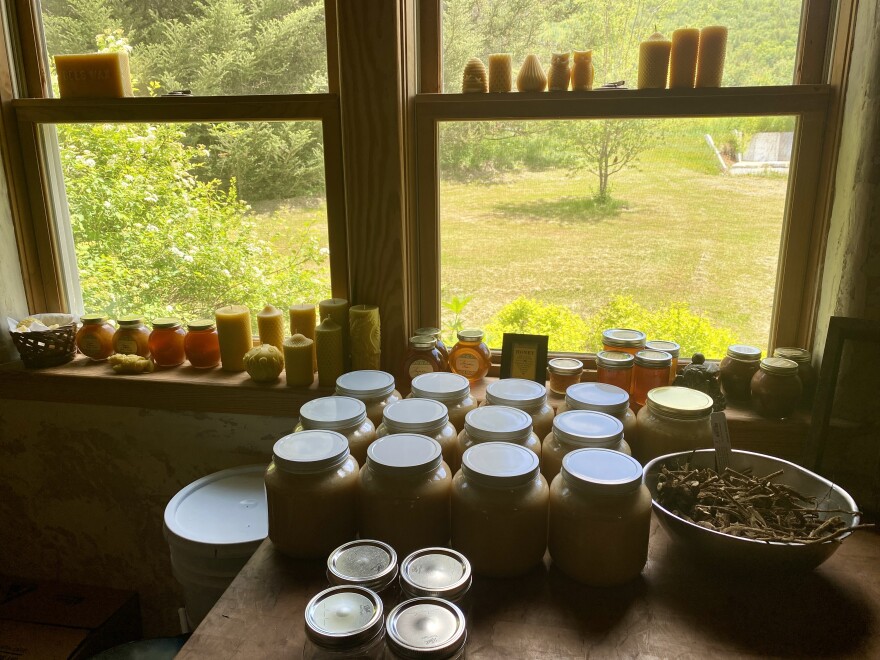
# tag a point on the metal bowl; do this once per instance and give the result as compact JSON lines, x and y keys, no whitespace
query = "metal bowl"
{"x":731,"y":551}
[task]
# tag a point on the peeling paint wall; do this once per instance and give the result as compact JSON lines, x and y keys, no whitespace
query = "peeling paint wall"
{"x":12,"y":298}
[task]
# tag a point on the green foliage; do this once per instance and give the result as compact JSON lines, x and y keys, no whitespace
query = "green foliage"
{"x":456,"y":306}
{"x":567,"y":330}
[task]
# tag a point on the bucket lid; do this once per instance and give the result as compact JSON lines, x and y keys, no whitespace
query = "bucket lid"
{"x":367,"y":384}
{"x":409,"y":624}
{"x":588,"y":428}
{"x":500,"y":464}
{"x":332,"y":412}
{"x":600,"y":397}
{"x":416,"y":415}
{"x":440,"y":386}
{"x":404,"y":453}
{"x":516,"y":392}
{"x":601,"y":471}
{"x":308,"y":452}
{"x":343,"y":617}
{"x":498,"y":423}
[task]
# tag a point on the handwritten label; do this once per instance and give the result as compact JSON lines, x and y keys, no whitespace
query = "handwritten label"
{"x":721,"y":438}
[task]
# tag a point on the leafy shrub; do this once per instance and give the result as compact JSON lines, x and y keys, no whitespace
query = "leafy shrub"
{"x":567,"y":330}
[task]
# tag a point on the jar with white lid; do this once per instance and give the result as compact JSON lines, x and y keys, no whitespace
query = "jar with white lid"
{"x":403,"y":493}
{"x":374,"y":388}
{"x":425,"y":417}
{"x":498,"y":424}
{"x":311,"y":486}
{"x":600,"y":517}
{"x":452,"y":390}
{"x":528,"y":396}
{"x":344,"y":415}
{"x":604,"y":398}
{"x":673,"y":419}
{"x":576,"y":429}
{"x":426,"y":628}
{"x":437,"y":573}
{"x":344,"y":622}
{"x":366,"y":563}
{"x":499,"y":509}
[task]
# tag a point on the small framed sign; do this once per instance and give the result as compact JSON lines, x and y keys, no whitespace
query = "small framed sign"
{"x":524,"y":356}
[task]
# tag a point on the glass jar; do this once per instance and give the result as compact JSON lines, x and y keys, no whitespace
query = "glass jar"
{"x":499,"y":509}
{"x":95,"y":338}
{"x":374,"y":388}
{"x":776,"y":388}
{"x":651,"y":370}
{"x":470,"y":357}
{"x":498,"y":424}
{"x":623,"y":340}
{"x":425,"y":417}
{"x":806,"y":371}
{"x":366,"y":563}
{"x":528,"y":396}
{"x":344,"y":415}
{"x":422,"y":357}
{"x":344,"y":622}
{"x":403,"y":494}
{"x":563,"y":373}
{"x":667,"y":347}
{"x":575,"y":429}
{"x":674,"y":419}
{"x":615,"y":368}
{"x":131,"y":337}
{"x":310,"y":493}
{"x":452,"y":390}
{"x":426,"y":628}
{"x":166,"y":342}
{"x":600,"y":518}
{"x":604,"y":398}
{"x":438,"y":342}
{"x":437,"y":573}
{"x":202,"y":344}
{"x":737,"y":369}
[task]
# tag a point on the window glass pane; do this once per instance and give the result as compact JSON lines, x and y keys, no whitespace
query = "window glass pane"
{"x":534,"y":240}
{"x":211,"y":47}
{"x":761,"y":45}
{"x":177,"y":220}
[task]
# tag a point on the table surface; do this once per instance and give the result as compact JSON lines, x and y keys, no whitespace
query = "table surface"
{"x":675,"y":609}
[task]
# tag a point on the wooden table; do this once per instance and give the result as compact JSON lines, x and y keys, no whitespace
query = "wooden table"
{"x":676,"y":609}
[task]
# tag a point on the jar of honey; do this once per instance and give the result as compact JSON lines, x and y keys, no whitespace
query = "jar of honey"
{"x":452,"y":390}
{"x":470,"y":357}
{"x":343,"y":414}
{"x":651,"y":370}
{"x":667,"y":347}
{"x":776,"y":387}
{"x":624,"y":340}
{"x":438,"y":342}
{"x":429,"y":628}
{"x":166,"y":342}
{"x":737,"y":369}
{"x":615,"y":368}
{"x":437,"y":573}
{"x":374,"y":388}
{"x":674,"y":419}
{"x":202,"y":344}
{"x":422,"y":357}
{"x":424,"y":416}
{"x":806,"y":371}
{"x":131,"y":337}
{"x":95,"y":338}
{"x":498,"y":424}
{"x":528,"y":396}
{"x":563,"y":373}
{"x":575,"y":429}
{"x":603,"y":398}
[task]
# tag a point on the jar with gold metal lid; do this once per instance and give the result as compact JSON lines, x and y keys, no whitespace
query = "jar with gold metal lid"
{"x":776,"y":387}
{"x":737,"y":369}
{"x":438,"y":342}
{"x":132,"y":336}
{"x":470,"y":357}
{"x":452,"y":390}
{"x":806,"y":370}
{"x":95,"y":338}
{"x":575,"y":429}
{"x":202,"y":344}
{"x":374,"y":388}
{"x":528,"y":396}
{"x":651,"y":370}
{"x":166,"y":342}
{"x":563,"y":373}
{"x":667,"y":347}
{"x":422,"y":357}
{"x":624,"y":340}
{"x":674,"y":419}
{"x":615,"y":368}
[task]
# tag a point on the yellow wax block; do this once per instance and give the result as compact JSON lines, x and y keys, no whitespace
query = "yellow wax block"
{"x":298,"y":351}
{"x":328,"y":344}
{"x":683,"y":58}
{"x":302,"y":321}
{"x":234,"y":333}
{"x":582,"y":71}
{"x":270,"y":324}
{"x":500,"y":72}
{"x":337,"y":309}
{"x":93,"y":75}
{"x":654,"y":62}
{"x":366,"y":344}
{"x":710,"y":56}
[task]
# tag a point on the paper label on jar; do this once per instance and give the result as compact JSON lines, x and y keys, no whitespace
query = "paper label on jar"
{"x":467,"y":365}
{"x":90,"y":345}
{"x":127,"y":346}
{"x":419,"y":367}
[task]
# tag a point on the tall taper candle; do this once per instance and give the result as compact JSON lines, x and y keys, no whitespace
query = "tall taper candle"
{"x":270,"y":325}
{"x":683,"y":60}
{"x":366,"y":347}
{"x":298,"y":351}
{"x":328,"y":344}
{"x":302,"y":321}
{"x":654,"y":62}
{"x":235,"y":335}
{"x":337,"y":309}
{"x":710,"y":56}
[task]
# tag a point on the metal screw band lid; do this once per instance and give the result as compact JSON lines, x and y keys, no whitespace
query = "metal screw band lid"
{"x":435,"y":572}
{"x":623,"y":338}
{"x":744,"y":352}
{"x":780,"y":366}
{"x":614,"y":360}
{"x":343,"y":617}
{"x":426,"y":628}
{"x":653,"y":359}
{"x":363,"y":563}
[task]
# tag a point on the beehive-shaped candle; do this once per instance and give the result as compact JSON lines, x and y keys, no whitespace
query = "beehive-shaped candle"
{"x":683,"y":58}
{"x":270,"y":325}
{"x":328,"y":346}
{"x":366,"y":347}
{"x":654,"y":62}
{"x":559,"y":73}
{"x":531,"y":76}
{"x":500,"y":73}
{"x":474,"y":78}
{"x":582,"y":71}
{"x":298,"y":361}
{"x":710,"y":56}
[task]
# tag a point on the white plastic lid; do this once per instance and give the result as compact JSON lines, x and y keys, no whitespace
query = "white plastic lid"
{"x":415,"y":415}
{"x":332,"y":413}
{"x":440,"y":386}
{"x":516,"y":392}
{"x":306,"y":452}
{"x":365,"y":384}
{"x":600,"y":397}
{"x":601,"y":471}
{"x":588,"y":428}
{"x":500,"y":464}
{"x":404,"y":453}
{"x":498,"y":423}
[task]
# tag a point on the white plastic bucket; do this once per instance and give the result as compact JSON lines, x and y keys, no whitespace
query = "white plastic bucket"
{"x":213,"y":526}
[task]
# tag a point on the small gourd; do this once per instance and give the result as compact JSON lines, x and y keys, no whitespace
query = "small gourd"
{"x":531,"y":76}
{"x":264,"y":363}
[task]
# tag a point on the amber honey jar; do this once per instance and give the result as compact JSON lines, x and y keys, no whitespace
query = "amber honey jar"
{"x":776,"y":387}
{"x":202,"y":344}
{"x":132,"y":336}
{"x":667,"y":347}
{"x":470,"y":357}
{"x":624,"y":340}
{"x":806,"y":370}
{"x":166,"y":342}
{"x":563,"y":373}
{"x":95,"y":338}
{"x":651,"y":370}
{"x":737,"y":369}
{"x":615,"y":368}
{"x":438,"y":342}
{"x":422,"y":357}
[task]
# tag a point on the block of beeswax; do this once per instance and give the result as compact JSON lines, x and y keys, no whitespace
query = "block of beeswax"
{"x":582,"y":71}
{"x":500,"y":73}
{"x":95,"y":75}
{"x":234,"y":333}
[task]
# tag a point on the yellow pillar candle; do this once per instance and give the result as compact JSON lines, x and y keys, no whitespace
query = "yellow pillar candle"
{"x":710,"y":56}
{"x":366,"y":348}
{"x":270,"y":325}
{"x":337,"y":309}
{"x":328,"y":344}
{"x":94,"y":75}
{"x":500,"y":72}
{"x":654,"y":62}
{"x":582,"y":71}
{"x":302,"y":321}
{"x":683,"y":58}
{"x":235,"y":335}
{"x":298,"y":352}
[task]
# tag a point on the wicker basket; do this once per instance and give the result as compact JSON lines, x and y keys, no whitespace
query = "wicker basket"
{"x":47,"y":348}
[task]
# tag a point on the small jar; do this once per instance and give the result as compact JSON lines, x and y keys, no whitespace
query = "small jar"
{"x":498,"y":424}
{"x":425,"y":417}
{"x":667,"y":347}
{"x":806,"y":371}
{"x":202,"y":344}
{"x":623,"y":340}
{"x":438,"y":342}
{"x":310,"y":494}
{"x":470,"y":357}
{"x":344,"y":622}
{"x":422,"y":357}
{"x":131,"y":337}
{"x":403,"y":493}
{"x":499,"y":509}
{"x":737,"y":369}
{"x":366,"y":563}
{"x":563,"y":373}
{"x":651,"y":370}
{"x":528,"y":396}
{"x":426,"y":628}
{"x":437,"y":573}
{"x":452,"y":390}
{"x":674,"y":419}
{"x":603,"y":398}
{"x":576,"y":429}
{"x":166,"y":342}
{"x":374,"y":388}
{"x":615,"y":368}
{"x":600,"y":518}
{"x":344,"y":415}
{"x":776,"y":388}
{"x":95,"y":338}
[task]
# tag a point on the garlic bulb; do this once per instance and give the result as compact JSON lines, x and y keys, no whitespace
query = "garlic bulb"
{"x":559,"y":73}
{"x":474,"y":79}
{"x":531,"y":76}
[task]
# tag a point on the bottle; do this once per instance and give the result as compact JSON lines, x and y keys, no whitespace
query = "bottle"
{"x":444,"y":351}
{"x":95,"y":338}
{"x":167,"y":342}
{"x":201,"y":344}
{"x":470,"y":357}
{"x":422,"y":357}
{"x":132,"y":336}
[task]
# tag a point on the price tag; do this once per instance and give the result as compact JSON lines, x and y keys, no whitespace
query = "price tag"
{"x":721,"y":438}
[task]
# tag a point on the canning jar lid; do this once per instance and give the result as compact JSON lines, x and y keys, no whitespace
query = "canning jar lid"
{"x":404,"y":453}
{"x":422,"y":341}
{"x":588,"y":428}
{"x":565,"y":366}
{"x":343,"y":616}
{"x":744,"y":352}
{"x":430,"y":332}
{"x":364,"y":563}
{"x":441,"y":386}
{"x":426,"y":628}
{"x":779,"y":365}
{"x":601,"y":471}
{"x":601,"y":397}
{"x":436,"y":573}
{"x":93,"y":319}
{"x":166,"y":323}
{"x":332,"y":412}
{"x":799,"y":355}
{"x":499,"y":423}
{"x":623,"y":338}
{"x":679,"y":402}
{"x":500,"y":464}
{"x":305,"y":452}
{"x":415,"y":415}
{"x":614,"y":360}
{"x":516,"y":392}
{"x":470,"y":335}
{"x":199,"y":324}
{"x":132,"y":320}
{"x":367,"y":383}
{"x":663,"y":345}
{"x":653,"y":359}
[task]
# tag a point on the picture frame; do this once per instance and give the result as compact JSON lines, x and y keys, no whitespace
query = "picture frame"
{"x":524,"y":356}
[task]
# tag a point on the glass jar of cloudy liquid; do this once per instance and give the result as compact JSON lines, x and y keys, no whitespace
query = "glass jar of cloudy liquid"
{"x":528,"y":396}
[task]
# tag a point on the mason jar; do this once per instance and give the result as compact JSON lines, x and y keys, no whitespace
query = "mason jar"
{"x":806,"y":370}
{"x":736,"y":371}
{"x":374,"y":388}
{"x":674,"y":419}
{"x":452,"y":390}
{"x":498,"y":424}
{"x":776,"y":388}
{"x":366,"y":563}
{"x":344,"y":415}
{"x":625,"y":340}
{"x":604,"y":398}
{"x":575,"y":429}
{"x":437,"y":573}
{"x":426,"y":628}
{"x":425,"y":417}
{"x":528,"y":396}
{"x":344,"y":622}
{"x":671,"y":347}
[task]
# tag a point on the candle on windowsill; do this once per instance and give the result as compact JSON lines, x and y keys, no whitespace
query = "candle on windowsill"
{"x":500,"y":73}
{"x":298,"y":352}
{"x":683,"y":58}
{"x":654,"y":62}
{"x":93,"y":75}
{"x":302,"y":321}
{"x":710,"y":56}
{"x":270,"y":325}
{"x":582,"y":71}
{"x":235,"y":335}
{"x":328,"y":345}
{"x":337,"y":309}
{"x":364,"y":327}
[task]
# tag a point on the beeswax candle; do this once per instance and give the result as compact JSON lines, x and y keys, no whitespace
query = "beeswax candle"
{"x":473,"y":80}
{"x":582,"y":71}
{"x":366,"y":348}
{"x":236,"y":338}
{"x":531,"y":77}
{"x":298,"y":351}
{"x":710,"y":56}
{"x":654,"y":62}
{"x":559,"y":73}
{"x":328,"y":344}
{"x":270,"y":325}
{"x":337,"y":309}
{"x":500,"y":73}
{"x":683,"y":57}
{"x":94,"y":75}
{"x":302,"y":321}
